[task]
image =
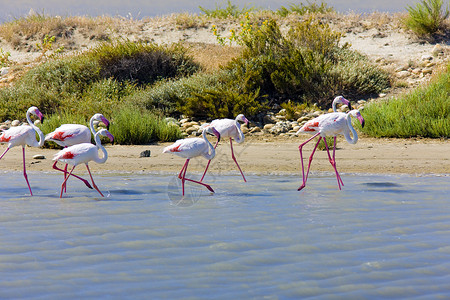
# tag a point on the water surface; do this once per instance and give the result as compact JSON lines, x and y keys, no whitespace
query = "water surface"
{"x":380,"y":237}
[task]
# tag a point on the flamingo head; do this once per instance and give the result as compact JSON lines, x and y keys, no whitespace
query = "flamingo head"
{"x":106,"y":133}
{"x":355,"y":113}
{"x":212,"y":130}
{"x":343,"y":101}
{"x":35,"y":111}
{"x":101,"y":118}
{"x":241,"y":119}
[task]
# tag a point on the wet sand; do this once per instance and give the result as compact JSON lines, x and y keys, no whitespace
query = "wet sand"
{"x":265,"y":155}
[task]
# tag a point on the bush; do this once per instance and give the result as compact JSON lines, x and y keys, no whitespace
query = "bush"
{"x":306,"y":65}
{"x":131,"y":126}
{"x":424,"y":112}
{"x":142,"y":63}
{"x":427,"y":17}
{"x":230,"y":10}
{"x":302,"y":9}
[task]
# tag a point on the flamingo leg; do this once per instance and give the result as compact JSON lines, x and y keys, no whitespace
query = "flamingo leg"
{"x":310,"y":159}
{"x":234,"y":158}
{"x":25,"y":170}
{"x":92,"y":179}
{"x":183,"y":178}
{"x":332,"y":163}
{"x":334,"y":159}
{"x":65,"y":173}
{"x":63,"y":185}
{"x":209,"y":161}
{"x":4,"y":152}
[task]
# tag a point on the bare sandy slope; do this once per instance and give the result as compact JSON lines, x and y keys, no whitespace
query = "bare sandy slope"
{"x":267,"y":155}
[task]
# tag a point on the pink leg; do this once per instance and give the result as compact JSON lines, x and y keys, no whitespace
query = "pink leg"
{"x":25,"y":170}
{"x":183,"y":179}
{"x":65,"y":173}
{"x":310,"y":159}
{"x":332,"y":163}
{"x":182,"y":174}
{"x":234,"y":158}
{"x":209,"y":161}
{"x":4,"y":152}
{"x":334,"y":160}
{"x":92,"y":179}
{"x":63,"y":185}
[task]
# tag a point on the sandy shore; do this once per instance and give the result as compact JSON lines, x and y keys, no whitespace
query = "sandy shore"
{"x":266,"y":155}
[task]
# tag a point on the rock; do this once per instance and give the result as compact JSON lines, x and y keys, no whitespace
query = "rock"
{"x":145,"y":153}
{"x":244,"y":129}
{"x":296,"y":128}
{"x":437,"y":49}
{"x":427,"y":71}
{"x":189,"y":124}
{"x":269,"y":119}
{"x":381,"y":95}
{"x":4,"y":127}
{"x":426,"y":57}
{"x":15,"y":123}
{"x":362,"y":101}
{"x":402,"y":68}
{"x":255,"y":129}
{"x":268,"y":126}
{"x":403,"y":74}
{"x":303,"y":119}
{"x":192,"y":129}
{"x":37,"y":122}
{"x":38,"y":156}
{"x":4,"y":71}
{"x":184,"y":120}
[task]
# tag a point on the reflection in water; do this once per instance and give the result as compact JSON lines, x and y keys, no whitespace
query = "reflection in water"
{"x":260,"y":239}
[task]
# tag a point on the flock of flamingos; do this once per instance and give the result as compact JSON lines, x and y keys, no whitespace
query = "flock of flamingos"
{"x":78,"y":149}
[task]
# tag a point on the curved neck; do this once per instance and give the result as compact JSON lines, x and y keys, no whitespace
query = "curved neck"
{"x":91,"y":125}
{"x":98,"y":142}
{"x":334,"y":106}
{"x":240,"y":139}
{"x":36,"y":129}
{"x":212,"y":151}
{"x":347,"y":134}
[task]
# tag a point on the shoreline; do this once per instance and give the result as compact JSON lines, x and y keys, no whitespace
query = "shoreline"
{"x":263,"y":155}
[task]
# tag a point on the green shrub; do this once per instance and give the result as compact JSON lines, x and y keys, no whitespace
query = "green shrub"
{"x":302,"y":9}
{"x":131,"y":126}
{"x":427,"y":17}
{"x":424,"y":112}
{"x":230,"y":10}
{"x":142,"y":63}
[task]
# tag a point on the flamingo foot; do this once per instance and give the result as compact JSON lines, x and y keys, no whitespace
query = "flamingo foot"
{"x":301,"y":187}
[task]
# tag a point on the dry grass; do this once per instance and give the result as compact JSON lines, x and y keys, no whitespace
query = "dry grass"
{"x":211,"y":56}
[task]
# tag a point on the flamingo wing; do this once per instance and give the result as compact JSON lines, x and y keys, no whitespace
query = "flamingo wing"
{"x":70,"y":134}
{"x":187,"y":148}
{"x":18,"y":135}
{"x":226,"y":128}
{"x":77,"y":154}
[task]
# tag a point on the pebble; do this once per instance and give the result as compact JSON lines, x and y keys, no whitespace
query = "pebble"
{"x":38,"y":156}
{"x":145,"y":153}
{"x":15,"y":123}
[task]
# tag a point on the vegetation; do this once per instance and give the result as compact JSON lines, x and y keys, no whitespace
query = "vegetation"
{"x":427,"y":17}
{"x":424,"y":112}
{"x":136,"y":84}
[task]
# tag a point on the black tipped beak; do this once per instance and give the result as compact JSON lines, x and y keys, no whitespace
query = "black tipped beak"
{"x":350,"y":106}
{"x":362,"y":123}
{"x":107,"y":126}
{"x":42,"y":120}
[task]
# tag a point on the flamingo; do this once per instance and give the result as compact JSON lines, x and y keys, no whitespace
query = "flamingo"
{"x":68,"y":135}
{"x":231,"y":129}
{"x":330,"y":124}
{"x":24,"y":135}
{"x":84,"y":153}
{"x":193,"y":147}
{"x":340,"y":100}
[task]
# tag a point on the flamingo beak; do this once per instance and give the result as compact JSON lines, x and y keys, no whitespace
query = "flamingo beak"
{"x":246,"y":120}
{"x":216,"y":133}
{"x":106,"y":122}
{"x":110,"y":136}
{"x":40,"y":116}
{"x":361,"y":120}
{"x":346,"y":102}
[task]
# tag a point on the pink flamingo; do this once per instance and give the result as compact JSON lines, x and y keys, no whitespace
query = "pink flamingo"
{"x":231,"y":129}
{"x":68,"y":135}
{"x":340,"y":100}
{"x":24,"y":135}
{"x":330,"y":124}
{"x":84,"y":153}
{"x":193,"y":147}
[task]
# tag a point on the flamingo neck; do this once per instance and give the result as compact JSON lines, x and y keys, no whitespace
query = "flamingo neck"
{"x":91,"y":125}
{"x":212,"y":152}
{"x":99,"y":145}
{"x":240,"y":138}
{"x":334,"y":106}
{"x":347,"y":134}
{"x":36,"y":129}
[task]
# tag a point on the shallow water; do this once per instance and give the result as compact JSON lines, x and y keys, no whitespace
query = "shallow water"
{"x":380,"y":237}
